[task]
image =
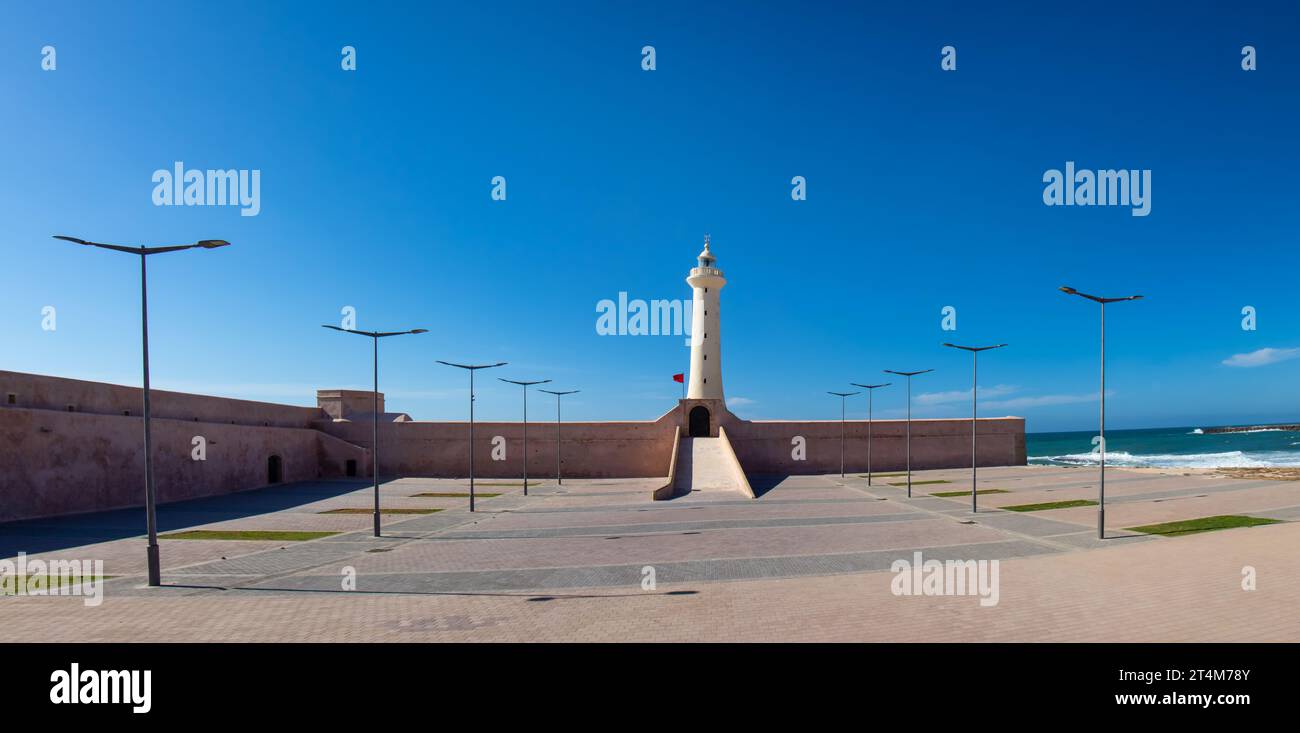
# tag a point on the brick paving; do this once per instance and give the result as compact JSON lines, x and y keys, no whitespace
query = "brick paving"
{"x":808,"y":561}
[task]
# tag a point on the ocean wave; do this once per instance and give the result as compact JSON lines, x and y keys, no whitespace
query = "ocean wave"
{"x":1227,"y":459}
{"x":1197,"y":431}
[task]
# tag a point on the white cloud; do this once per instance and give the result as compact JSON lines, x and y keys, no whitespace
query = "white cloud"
{"x":1261,"y":357}
{"x":962,"y":395}
{"x":1046,"y":400}
{"x":739,"y":401}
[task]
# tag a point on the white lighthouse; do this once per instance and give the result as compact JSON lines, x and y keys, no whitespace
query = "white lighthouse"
{"x":706,"y":335}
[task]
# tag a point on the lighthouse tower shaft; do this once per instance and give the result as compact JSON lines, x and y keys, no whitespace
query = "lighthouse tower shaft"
{"x":706,"y":335}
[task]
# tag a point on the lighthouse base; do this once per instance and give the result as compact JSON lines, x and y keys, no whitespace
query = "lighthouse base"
{"x":704,"y":459}
{"x":700,"y":418}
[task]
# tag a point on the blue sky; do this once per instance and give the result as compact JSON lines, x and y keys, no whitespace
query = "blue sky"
{"x":924,"y":190}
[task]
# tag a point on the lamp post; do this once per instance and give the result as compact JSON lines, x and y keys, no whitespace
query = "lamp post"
{"x":525,"y":385}
{"x":909,"y":376}
{"x":559,"y":478}
{"x":374,"y":443}
{"x":150,"y":497}
{"x":1101,"y":486}
{"x":471,"y":368}
{"x":871,"y":391}
{"x":843,"y":398}
{"x":974,"y":389}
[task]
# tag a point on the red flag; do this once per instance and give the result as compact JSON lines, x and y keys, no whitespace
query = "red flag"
{"x":679,"y":378}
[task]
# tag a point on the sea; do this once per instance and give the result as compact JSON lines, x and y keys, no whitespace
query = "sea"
{"x":1188,"y":447}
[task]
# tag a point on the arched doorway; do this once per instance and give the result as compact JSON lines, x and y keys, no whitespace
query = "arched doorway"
{"x":274,"y":470}
{"x":699,"y":422}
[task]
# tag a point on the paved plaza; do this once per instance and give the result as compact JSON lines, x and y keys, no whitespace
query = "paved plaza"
{"x":808,"y":560}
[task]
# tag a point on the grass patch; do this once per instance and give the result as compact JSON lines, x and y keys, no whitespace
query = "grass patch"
{"x":922,"y":483}
{"x":883,"y":475}
{"x":382,"y":511}
{"x":245,"y":534}
{"x":453,"y":495}
{"x":981,"y":492}
{"x":1050,"y":505}
{"x":1203,"y":524}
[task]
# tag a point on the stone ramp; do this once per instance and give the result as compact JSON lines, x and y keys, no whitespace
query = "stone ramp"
{"x":709,"y":465}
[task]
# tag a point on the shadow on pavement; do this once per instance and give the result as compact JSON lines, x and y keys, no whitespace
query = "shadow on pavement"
{"x":34,"y":536}
{"x":763,"y":483}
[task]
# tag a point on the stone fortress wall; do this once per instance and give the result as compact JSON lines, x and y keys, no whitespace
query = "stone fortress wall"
{"x":70,"y":446}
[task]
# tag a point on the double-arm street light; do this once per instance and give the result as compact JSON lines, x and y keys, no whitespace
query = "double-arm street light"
{"x":871,"y":391}
{"x":151,"y":517}
{"x":974,"y":388}
{"x":471,"y":368}
{"x":909,"y":376}
{"x":559,"y":477}
{"x":374,"y":443}
{"x":1101,"y":486}
{"x":843,"y":398}
{"x":525,"y":385}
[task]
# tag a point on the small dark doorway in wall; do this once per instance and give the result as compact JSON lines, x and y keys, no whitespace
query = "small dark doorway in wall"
{"x":699,"y":422}
{"x":274,"y":470}
{"x":352,"y":467}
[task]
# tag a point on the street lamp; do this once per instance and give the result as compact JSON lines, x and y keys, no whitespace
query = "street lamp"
{"x":374,"y":443}
{"x":151,"y":517}
{"x":1101,"y":487}
{"x":871,"y":391}
{"x":471,"y":368}
{"x":909,"y":376}
{"x":843,"y":398}
{"x":974,"y":389}
{"x":559,"y":478}
{"x":525,"y":385}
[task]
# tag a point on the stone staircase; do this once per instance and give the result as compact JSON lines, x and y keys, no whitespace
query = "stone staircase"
{"x":705,"y":464}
